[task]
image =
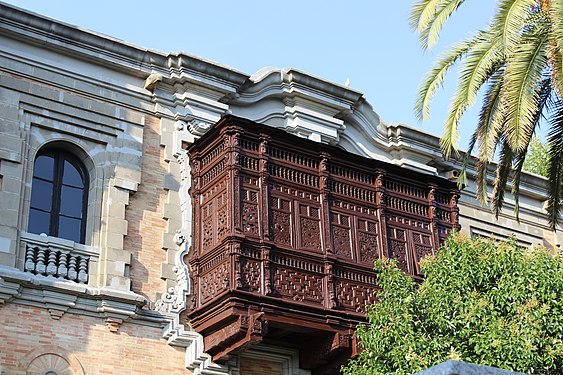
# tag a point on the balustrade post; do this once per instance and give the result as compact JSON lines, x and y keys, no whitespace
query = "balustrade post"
{"x":30,"y":258}
{"x":83,"y":270}
{"x":62,"y":270}
{"x":40,"y":263}
{"x":72,"y":268}
{"x":51,"y":269}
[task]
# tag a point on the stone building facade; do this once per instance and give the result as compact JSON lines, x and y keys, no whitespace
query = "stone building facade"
{"x":105,"y":286}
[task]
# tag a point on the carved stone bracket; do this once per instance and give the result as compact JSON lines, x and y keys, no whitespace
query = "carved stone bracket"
{"x":113,"y":324}
{"x":197,"y":360}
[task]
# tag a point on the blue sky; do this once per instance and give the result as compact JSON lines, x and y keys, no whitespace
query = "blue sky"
{"x":368,"y":42}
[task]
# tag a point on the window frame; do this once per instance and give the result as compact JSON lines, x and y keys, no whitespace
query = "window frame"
{"x":60,"y":156}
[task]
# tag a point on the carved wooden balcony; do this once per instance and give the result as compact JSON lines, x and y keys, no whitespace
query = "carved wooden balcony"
{"x":286,"y":231}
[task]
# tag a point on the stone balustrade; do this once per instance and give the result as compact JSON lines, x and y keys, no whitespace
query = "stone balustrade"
{"x":56,"y":257}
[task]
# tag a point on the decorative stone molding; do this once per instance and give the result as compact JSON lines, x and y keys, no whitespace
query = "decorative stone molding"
{"x":61,"y":296}
{"x":46,"y":358}
{"x":197,"y":360}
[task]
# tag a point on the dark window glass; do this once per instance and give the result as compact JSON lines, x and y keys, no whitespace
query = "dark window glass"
{"x":58,"y":196}
{"x":42,"y":194}
{"x":71,"y":201}
{"x":44,"y":166}
{"x":72,"y":176}
{"x":39,"y":221}
{"x":69,"y":228}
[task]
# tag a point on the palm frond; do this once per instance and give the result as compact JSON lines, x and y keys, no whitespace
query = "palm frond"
{"x":555,"y":169}
{"x":502,"y":173}
{"x":519,"y":160}
{"x":525,"y":70}
{"x":491,"y":116}
{"x":435,"y":78}
{"x":479,"y":65}
{"x":422,"y":12}
{"x":510,"y":19}
{"x":429,"y":35}
{"x":544,"y":93}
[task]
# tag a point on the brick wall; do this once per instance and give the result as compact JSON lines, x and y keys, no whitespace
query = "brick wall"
{"x":134,"y":349}
{"x":252,"y":366}
{"x":144,"y":215}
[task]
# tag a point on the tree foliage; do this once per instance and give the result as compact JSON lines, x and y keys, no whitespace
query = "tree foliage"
{"x":488,"y":303}
{"x":537,"y":159}
{"x":518,"y":61}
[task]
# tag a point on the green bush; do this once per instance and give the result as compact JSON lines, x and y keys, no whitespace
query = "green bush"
{"x":484,"y":302}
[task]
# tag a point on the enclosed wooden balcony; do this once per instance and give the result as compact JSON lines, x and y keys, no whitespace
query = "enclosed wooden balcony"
{"x":285,"y":234}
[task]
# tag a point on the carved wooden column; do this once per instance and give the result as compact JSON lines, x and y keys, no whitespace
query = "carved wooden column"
{"x":266,"y":287}
{"x":454,"y":196}
{"x":432,"y":212}
{"x":380,"y":207}
{"x":234,"y":251}
{"x":194,"y":257}
{"x":231,"y":137}
{"x":327,"y":244}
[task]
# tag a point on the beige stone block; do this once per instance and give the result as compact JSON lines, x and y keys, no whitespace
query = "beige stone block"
{"x":118,"y":226}
{"x":166,"y":271}
{"x":119,"y":196}
{"x":114,"y":240}
{"x":172,"y":182}
{"x":115,"y":209}
{"x":168,"y":241}
{"x":10,"y":168}
{"x":8,"y":216}
{"x":118,"y":255}
{"x":118,"y":282}
{"x":171,"y":211}
{"x":12,"y":185}
{"x":8,"y":259}
{"x":171,"y":255}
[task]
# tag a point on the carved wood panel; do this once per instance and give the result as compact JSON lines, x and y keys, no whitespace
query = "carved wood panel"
{"x":342,"y":234}
{"x":368,"y":245}
{"x":250,"y":216}
{"x":281,"y":221}
{"x":310,"y":227}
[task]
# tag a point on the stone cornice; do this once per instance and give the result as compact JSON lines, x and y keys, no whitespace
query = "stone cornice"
{"x":107,"y":51}
{"x":60,"y":297}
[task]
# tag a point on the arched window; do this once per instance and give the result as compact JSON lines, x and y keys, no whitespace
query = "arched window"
{"x":59,"y":196}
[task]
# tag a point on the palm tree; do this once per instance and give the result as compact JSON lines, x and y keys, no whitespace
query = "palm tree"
{"x":517,"y":61}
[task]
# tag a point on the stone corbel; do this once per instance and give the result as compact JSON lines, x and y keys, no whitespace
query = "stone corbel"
{"x":8,"y":290}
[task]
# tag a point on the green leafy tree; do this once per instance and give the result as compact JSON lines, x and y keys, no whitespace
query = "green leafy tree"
{"x":537,"y":159}
{"x":488,"y":303}
{"x":517,"y":61}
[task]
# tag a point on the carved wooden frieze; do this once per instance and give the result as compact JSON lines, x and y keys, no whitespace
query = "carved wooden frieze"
{"x":286,"y":231}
